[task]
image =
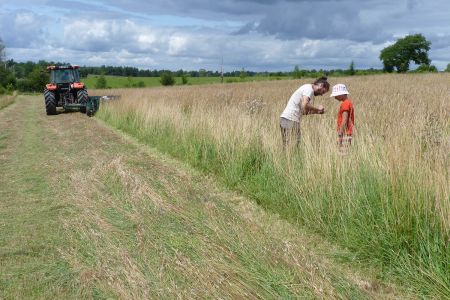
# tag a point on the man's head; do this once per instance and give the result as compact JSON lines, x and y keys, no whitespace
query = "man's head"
{"x":339,"y":92}
{"x":321,"y":86}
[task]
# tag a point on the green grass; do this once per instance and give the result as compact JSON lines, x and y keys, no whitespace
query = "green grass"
{"x":123,"y":82}
{"x":85,"y":213}
{"x":29,"y":233}
{"x":386,"y":225}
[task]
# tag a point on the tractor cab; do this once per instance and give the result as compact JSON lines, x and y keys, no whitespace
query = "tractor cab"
{"x":64,"y":74}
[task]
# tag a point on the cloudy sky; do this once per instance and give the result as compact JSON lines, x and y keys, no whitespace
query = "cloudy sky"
{"x":258,"y":35}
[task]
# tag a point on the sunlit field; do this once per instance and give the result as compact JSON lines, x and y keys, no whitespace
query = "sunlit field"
{"x":387,"y":199}
{"x":122,"y":82}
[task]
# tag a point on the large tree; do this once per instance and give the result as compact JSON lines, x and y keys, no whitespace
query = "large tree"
{"x":410,"y":48}
{"x":7,"y":79}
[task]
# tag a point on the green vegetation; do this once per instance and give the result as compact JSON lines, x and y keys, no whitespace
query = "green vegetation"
{"x":410,"y":48}
{"x":389,"y":217}
{"x":424,"y":68}
{"x":7,"y":79}
{"x":297,"y":73}
{"x":184,"y":79}
{"x":101,"y":82}
{"x":167,"y":79}
{"x":351,"y":69}
{"x":387,"y":234}
{"x":121,"y":82}
{"x":243,"y":75}
{"x":97,"y":216}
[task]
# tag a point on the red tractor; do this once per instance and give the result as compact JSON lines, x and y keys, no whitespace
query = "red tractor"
{"x":65,"y":90}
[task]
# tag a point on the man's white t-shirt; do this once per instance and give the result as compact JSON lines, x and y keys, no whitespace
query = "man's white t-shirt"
{"x":293,"y":108}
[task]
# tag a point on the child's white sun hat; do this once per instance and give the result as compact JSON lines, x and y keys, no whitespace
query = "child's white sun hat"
{"x":339,"y":89}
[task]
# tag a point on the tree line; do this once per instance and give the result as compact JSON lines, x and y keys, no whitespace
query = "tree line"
{"x":31,"y":76}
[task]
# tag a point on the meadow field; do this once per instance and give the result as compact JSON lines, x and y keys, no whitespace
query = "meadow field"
{"x":122,"y":82}
{"x":387,"y":200}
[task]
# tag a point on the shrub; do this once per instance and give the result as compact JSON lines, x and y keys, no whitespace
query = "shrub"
{"x":167,"y":79}
{"x":184,"y":79}
{"x":101,"y":82}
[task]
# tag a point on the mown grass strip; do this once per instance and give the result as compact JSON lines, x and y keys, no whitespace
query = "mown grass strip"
{"x":30,"y":208}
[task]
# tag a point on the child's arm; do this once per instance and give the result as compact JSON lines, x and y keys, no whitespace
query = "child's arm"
{"x":343,"y":127}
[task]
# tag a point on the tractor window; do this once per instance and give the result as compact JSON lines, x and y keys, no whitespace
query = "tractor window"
{"x":76,"y":75}
{"x":63,"y":76}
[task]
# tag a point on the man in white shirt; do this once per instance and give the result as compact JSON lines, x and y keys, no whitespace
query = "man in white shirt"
{"x":301,"y":103}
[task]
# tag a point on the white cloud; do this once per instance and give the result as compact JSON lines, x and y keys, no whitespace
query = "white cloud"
{"x":177,"y":44}
{"x":194,"y":34}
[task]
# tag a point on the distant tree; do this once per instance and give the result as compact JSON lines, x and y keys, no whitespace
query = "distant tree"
{"x":37,"y":79}
{"x":297,"y":74}
{"x":243,"y":74}
{"x":410,"y":48}
{"x":101,"y":82}
{"x":7,"y":78}
{"x":179,"y":73}
{"x":351,"y":69}
{"x":202,"y":73}
{"x":167,"y":78}
{"x":448,"y":68}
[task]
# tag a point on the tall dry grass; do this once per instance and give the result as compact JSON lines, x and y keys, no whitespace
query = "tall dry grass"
{"x":388,"y":199}
{"x":6,"y":100}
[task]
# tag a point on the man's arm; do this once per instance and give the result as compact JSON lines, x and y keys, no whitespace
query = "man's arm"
{"x":308,"y":109}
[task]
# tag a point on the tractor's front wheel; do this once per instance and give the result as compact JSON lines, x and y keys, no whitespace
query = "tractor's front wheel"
{"x":50,"y":102}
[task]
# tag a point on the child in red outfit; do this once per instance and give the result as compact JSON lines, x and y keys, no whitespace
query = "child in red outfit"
{"x":346,"y":115}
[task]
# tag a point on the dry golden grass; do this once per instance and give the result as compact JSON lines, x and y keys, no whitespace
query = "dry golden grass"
{"x":402,"y":124}
{"x":388,"y":198}
{"x":6,"y":100}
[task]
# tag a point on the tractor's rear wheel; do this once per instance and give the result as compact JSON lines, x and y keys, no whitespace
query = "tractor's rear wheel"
{"x":82,"y":97}
{"x":50,"y":102}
